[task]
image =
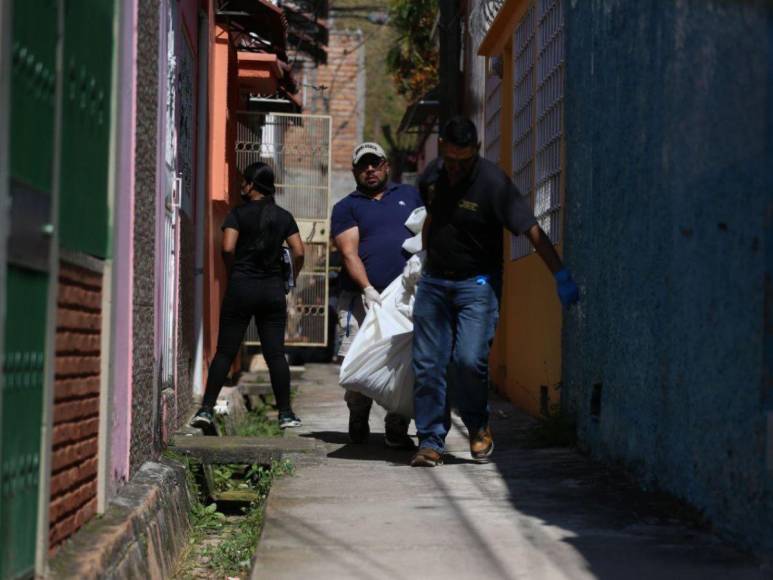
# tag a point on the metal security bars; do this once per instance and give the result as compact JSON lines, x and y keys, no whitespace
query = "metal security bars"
{"x":550,"y":95}
{"x":493,"y":111}
{"x":538,"y":53}
{"x":297,"y":147}
{"x":523,"y":118}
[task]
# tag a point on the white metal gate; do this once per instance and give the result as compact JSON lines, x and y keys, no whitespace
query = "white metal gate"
{"x":175,"y":177}
{"x":298,"y":149}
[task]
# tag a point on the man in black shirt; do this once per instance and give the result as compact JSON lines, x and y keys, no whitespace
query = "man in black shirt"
{"x":468,"y":200}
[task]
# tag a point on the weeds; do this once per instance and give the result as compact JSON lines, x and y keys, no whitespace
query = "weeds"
{"x":220,"y":544}
{"x":223,"y":544}
{"x":222,"y":476}
{"x":206,"y":518}
{"x":234,"y":554}
{"x":257,"y":424}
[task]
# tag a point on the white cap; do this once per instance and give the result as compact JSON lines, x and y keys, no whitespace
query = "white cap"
{"x":367,"y":148}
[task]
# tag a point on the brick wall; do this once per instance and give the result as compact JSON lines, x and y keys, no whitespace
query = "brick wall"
{"x":76,"y":402}
{"x":344,"y":98}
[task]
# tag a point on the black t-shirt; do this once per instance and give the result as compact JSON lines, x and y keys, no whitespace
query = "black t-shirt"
{"x":465,"y":234}
{"x":261,"y":235}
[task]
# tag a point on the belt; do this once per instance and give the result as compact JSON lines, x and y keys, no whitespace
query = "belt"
{"x":454,"y":275}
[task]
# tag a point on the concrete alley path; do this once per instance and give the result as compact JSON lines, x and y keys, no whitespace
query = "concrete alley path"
{"x":363,"y":513}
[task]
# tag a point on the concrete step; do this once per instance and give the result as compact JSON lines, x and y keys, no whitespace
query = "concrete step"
{"x":261,"y":450}
{"x":256,"y":389}
{"x":237,"y":496}
{"x":261,"y":375}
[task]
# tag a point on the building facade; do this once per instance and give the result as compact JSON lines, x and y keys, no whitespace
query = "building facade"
{"x":105,"y":108}
{"x":639,"y":134}
{"x":667,"y":362}
{"x":123,"y":120}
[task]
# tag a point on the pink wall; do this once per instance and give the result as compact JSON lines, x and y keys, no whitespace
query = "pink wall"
{"x":123,"y":256}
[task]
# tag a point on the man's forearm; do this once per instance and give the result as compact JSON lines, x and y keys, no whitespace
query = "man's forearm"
{"x":356,"y":270}
{"x":544,"y":247}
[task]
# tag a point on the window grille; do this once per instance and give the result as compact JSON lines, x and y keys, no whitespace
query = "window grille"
{"x":493,"y":109}
{"x":538,"y":53}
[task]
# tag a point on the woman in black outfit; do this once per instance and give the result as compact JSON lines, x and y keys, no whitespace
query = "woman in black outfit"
{"x":253,"y":235}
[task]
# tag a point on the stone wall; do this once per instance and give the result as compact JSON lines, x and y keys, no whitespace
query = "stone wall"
{"x":142,"y":533}
{"x":668,"y":140}
{"x":145,"y":402}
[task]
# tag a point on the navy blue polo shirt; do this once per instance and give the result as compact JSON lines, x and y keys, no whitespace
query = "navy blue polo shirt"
{"x":382,"y":231}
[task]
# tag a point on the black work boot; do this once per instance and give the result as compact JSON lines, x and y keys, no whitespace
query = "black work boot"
{"x":396,"y":432}
{"x":359,"y":429}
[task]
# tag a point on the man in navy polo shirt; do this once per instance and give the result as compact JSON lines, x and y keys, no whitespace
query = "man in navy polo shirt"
{"x":368,"y":228}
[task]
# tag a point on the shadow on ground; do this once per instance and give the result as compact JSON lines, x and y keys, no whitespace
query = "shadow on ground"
{"x":372,"y":450}
{"x":620,"y":530}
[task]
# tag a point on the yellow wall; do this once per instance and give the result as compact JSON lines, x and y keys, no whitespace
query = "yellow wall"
{"x":526,"y":353}
{"x":529,"y":334}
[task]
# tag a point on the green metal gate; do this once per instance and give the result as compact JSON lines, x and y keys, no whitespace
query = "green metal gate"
{"x":25,"y":331}
{"x":85,"y":146}
{"x":32,"y":116}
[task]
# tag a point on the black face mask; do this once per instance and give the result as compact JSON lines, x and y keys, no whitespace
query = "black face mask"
{"x":246,"y":196}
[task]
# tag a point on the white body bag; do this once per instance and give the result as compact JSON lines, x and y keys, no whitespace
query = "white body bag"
{"x":379,"y":363}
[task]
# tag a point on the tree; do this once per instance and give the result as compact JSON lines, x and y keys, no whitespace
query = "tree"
{"x":413,"y":59}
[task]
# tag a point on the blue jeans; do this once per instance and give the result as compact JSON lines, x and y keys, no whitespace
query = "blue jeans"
{"x":453,"y":322}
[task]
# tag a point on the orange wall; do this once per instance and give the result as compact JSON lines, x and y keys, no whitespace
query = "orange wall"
{"x":223,"y":91}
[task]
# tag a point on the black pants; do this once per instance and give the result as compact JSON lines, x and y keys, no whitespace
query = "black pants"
{"x":265,"y":300}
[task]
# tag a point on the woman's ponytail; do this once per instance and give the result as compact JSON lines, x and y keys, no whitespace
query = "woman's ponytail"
{"x":269,"y":240}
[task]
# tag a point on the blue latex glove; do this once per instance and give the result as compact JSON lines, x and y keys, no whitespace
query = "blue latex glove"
{"x":568,"y":292}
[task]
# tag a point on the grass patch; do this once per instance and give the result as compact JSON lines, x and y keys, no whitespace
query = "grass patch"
{"x":225,"y":531}
{"x":257,"y":424}
{"x":219,"y":544}
{"x":234,"y":554}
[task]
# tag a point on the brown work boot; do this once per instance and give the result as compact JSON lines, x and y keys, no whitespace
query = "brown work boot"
{"x":481,"y":444}
{"x":426,"y":457}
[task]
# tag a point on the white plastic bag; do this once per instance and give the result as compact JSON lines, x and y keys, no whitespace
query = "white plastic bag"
{"x":414,"y":223}
{"x":379,"y":363}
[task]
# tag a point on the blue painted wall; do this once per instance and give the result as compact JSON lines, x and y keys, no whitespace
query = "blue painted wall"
{"x":669,"y":207}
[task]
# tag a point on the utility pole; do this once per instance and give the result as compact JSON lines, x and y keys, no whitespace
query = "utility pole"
{"x":450,"y":52}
